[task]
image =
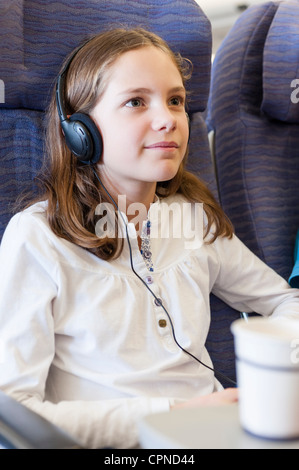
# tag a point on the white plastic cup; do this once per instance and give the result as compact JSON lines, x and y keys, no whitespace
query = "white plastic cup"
{"x":267,"y":365}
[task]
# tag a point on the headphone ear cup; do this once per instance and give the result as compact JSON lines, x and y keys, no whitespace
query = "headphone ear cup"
{"x":83,"y":138}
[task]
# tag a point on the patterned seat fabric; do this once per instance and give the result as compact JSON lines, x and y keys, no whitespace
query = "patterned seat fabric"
{"x":254,"y":113}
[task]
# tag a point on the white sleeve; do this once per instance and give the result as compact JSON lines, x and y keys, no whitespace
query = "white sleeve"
{"x":248,"y":285}
{"x":99,"y":424}
{"x":28,"y":288}
{"x":27,"y":345}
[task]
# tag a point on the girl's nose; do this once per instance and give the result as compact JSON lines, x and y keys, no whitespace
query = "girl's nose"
{"x":164,"y":120}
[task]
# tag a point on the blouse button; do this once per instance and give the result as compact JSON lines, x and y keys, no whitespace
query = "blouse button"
{"x":158,"y":302}
{"x":162,"y":323}
{"x":149,"y":280}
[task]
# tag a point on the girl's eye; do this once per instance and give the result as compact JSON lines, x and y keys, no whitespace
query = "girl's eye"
{"x":177,"y":101}
{"x":134,"y":103}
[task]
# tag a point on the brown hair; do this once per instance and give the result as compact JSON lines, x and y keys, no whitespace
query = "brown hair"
{"x":70,"y":187}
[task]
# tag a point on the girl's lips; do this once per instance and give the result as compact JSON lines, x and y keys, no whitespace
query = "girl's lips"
{"x":163,"y":145}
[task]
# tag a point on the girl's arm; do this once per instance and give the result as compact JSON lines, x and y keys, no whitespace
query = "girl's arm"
{"x":247,"y":284}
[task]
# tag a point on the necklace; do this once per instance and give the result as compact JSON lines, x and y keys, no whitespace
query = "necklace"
{"x":145,"y":249}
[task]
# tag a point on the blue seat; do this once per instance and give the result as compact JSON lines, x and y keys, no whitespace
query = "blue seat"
{"x":35,"y":38}
{"x":253,"y":112}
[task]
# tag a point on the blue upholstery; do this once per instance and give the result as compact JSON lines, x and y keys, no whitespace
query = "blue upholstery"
{"x":256,"y":127}
{"x":35,"y":38}
{"x":294,"y":277}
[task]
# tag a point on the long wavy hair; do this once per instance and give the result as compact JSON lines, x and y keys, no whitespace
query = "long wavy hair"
{"x":71,"y":188}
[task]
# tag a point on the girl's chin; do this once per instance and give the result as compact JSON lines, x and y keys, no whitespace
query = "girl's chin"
{"x":166,"y":173}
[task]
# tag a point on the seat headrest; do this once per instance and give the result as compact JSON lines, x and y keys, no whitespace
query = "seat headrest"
{"x":37,"y":36}
{"x":281,"y":65}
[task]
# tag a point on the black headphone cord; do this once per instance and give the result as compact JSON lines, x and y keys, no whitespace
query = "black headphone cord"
{"x":158,"y":300}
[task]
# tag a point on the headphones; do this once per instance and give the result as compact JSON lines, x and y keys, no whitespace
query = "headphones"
{"x":81,"y":134}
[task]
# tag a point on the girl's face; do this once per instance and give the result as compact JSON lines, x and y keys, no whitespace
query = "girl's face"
{"x":142,"y":120}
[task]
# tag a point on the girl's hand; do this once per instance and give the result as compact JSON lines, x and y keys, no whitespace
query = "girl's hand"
{"x":225,"y":397}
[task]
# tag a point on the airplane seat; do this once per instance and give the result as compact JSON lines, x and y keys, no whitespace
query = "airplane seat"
{"x":253,"y":116}
{"x":35,"y":38}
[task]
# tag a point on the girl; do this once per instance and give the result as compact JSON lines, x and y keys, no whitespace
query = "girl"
{"x":110,"y":320}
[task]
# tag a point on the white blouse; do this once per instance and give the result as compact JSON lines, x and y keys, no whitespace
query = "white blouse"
{"x":85,"y":344}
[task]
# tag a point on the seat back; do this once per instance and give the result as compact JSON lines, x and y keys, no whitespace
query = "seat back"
{"x":35,"y":38}
{"x":254,"y":113}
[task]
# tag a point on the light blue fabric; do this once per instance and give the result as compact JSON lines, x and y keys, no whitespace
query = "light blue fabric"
{"x":294,"y":278}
